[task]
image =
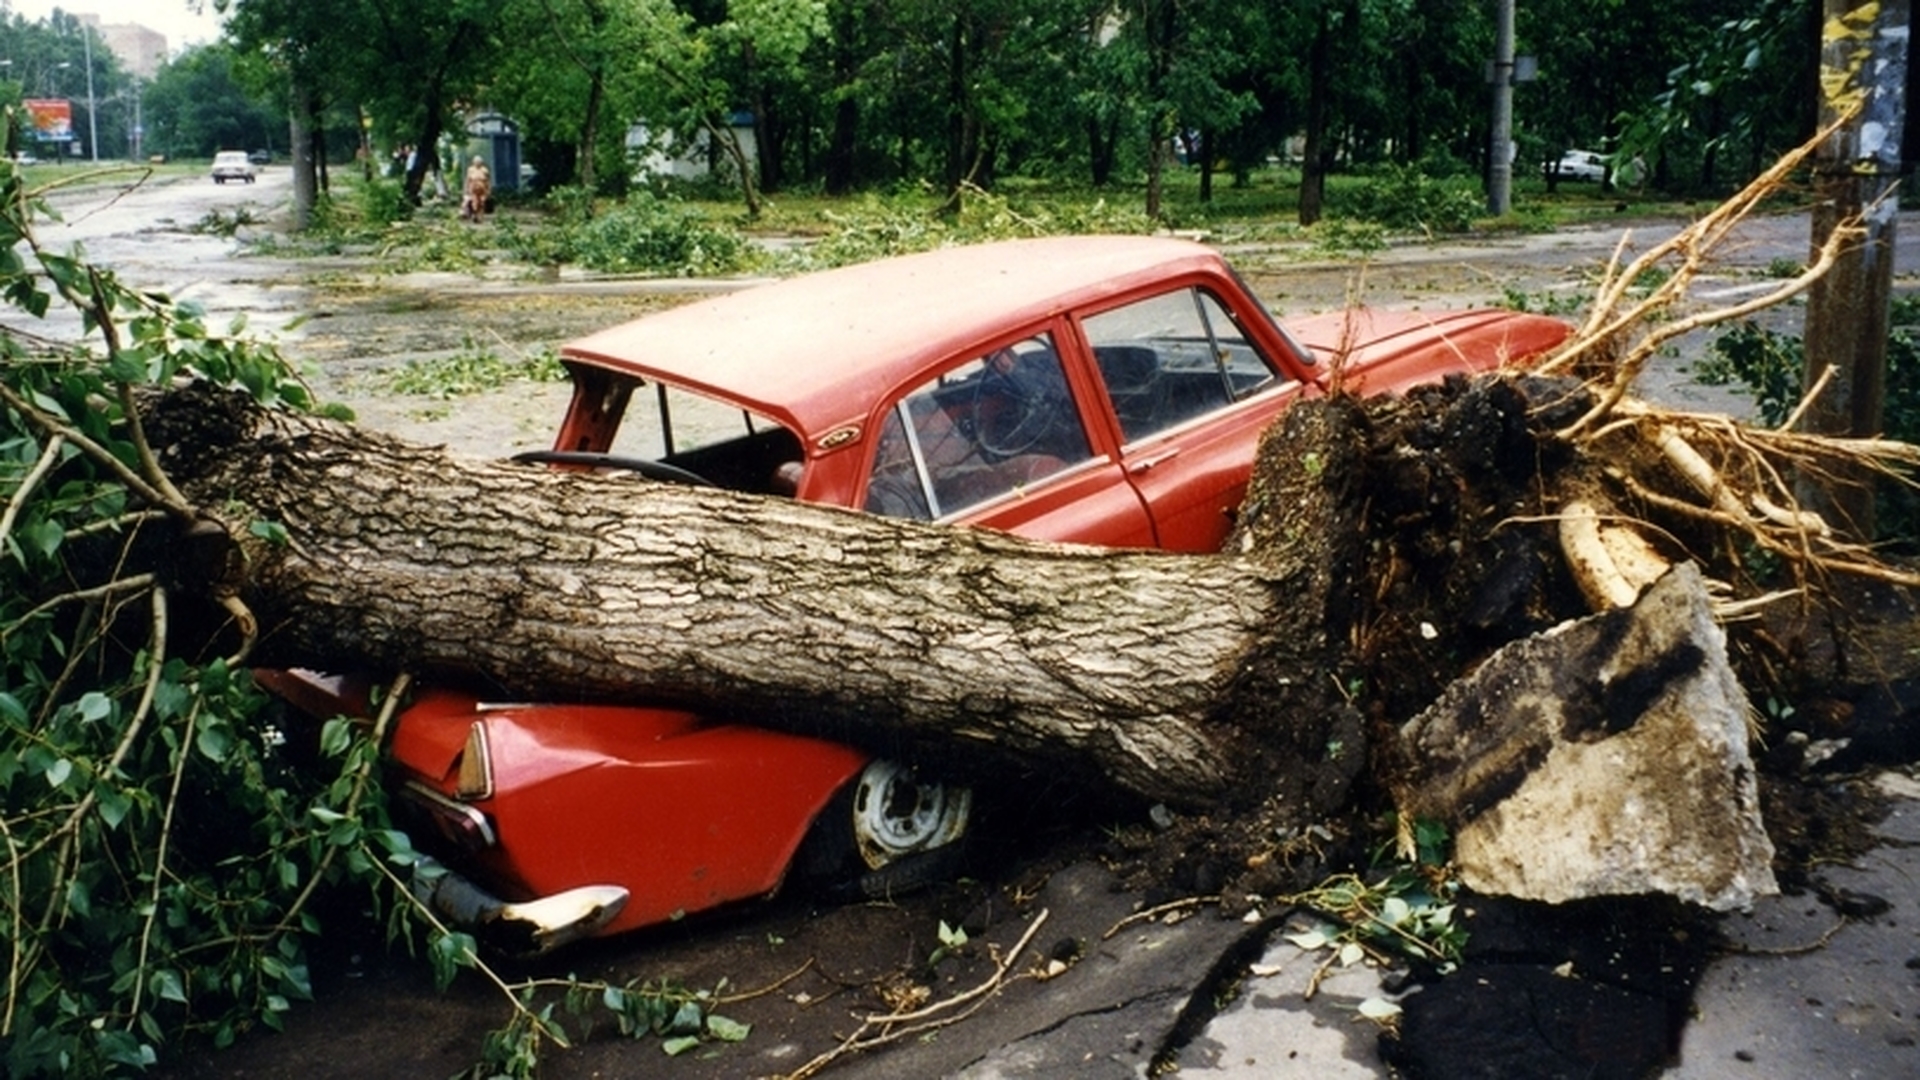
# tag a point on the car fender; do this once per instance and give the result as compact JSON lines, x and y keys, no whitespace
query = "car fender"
{"x":687,"y":814}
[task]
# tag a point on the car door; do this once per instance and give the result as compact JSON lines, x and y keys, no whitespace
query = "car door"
{"x":1190,"y":391}
{"x":1001,"y":439}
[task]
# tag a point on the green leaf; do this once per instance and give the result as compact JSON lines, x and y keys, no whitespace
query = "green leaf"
{"x":271,"y":531}
{"x":121,"y":1048}
{"x":94,"y":706}
{"x":213,"y":741}
{"x":1375,"y":1008}
{"x":79,"y":898}
{"x":335,"y":736}
{"x":1310,"y":940}
{"x":113,"y":804}
{"x":42,"y":537}
{"x":728,"y":1030}
{"x":679,"y":1044}
{"x":164,"y":983}
{"x":1395,"y":911}
{"x":127,"y":366}
{"x":57,"y":772}
{"x":687,"y":1019}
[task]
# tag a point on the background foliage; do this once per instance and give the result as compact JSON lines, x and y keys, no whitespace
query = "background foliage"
{"x":842,"y":96}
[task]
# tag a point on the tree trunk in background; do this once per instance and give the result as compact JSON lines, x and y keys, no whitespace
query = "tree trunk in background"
{"x":590,"y":130}
{"x":843,"y":142}
{"x":958,"y":107}
{"x":1102,"y":141}
{"x":305,"y":191}
{"x":1206,"y":155}
{"x":426,"y":153}
{"x":840,"y":147}
{"x":1313,"y":166}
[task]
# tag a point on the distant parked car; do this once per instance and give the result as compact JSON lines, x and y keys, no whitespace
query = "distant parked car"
{"x":1577,"y":165}
{"x":24,"y":158}
{"x":232,"y":165}
{"x":261,"y":157}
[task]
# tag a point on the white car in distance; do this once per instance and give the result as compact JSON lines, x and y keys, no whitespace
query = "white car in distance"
{"x":232,"y":165}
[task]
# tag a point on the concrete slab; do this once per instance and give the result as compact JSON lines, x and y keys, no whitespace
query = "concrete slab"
{"x":1790,"y":1006}
{"x":1273,"y":1029}
{"x":1108,"y":1015}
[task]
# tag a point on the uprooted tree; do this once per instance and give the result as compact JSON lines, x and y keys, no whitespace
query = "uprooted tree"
{"x":168,"y":520}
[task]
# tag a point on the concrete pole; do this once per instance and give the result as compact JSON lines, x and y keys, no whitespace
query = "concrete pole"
{"x":93,"y":108}
{"x":1500,"y":171}
{"x":1863,"y":64}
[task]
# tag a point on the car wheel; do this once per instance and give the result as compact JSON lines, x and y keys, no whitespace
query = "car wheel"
{"x":887,"y":831}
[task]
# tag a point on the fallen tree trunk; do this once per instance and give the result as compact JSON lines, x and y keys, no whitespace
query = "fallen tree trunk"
{"x":1143,"y":667}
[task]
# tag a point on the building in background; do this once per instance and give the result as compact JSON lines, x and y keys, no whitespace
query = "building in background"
{"x":140,"y":51}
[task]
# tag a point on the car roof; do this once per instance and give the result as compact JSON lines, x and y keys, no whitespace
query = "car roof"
{"x":817,"y":350}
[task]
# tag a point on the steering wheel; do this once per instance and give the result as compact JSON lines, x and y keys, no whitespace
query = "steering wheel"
{"x":647,"y":467}
{"x":1012,"y":409}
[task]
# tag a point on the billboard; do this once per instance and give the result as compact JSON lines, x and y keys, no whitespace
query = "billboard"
{"x":50,"y":119}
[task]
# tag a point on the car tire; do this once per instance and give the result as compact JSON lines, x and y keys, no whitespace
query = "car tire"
{"x":885,"y":832}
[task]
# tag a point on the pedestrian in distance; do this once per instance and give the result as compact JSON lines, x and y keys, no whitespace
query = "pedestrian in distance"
{"x":477,"y":193}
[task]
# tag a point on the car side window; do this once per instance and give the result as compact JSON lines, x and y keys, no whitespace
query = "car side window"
{"x":1172,"y":357}
{"x":977,"y":432}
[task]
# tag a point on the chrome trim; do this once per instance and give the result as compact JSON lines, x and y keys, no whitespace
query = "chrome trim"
{"x":453,"y":808}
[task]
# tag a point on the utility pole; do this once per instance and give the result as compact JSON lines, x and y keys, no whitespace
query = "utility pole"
{"x":1863,"y":73}
{"x":93,"y":134}
{"x":1500,"y":151}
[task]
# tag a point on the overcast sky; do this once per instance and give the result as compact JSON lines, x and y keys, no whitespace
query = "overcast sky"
{"x":174,"y":18}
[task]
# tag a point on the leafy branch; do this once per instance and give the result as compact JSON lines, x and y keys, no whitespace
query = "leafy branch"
{"x":161,"y":844}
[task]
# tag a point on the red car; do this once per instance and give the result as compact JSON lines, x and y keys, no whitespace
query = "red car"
{"x":1105,"y":390}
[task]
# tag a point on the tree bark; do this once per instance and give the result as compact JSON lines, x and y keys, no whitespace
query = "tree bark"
{"x":548,"y":585}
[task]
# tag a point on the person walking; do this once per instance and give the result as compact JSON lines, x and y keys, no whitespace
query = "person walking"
{"x":478,"y":191}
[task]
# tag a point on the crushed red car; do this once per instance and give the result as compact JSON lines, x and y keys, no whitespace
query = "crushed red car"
{"x":1106,"y":390}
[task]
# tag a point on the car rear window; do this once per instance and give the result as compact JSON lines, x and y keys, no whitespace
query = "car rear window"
{"x":716,"y":440}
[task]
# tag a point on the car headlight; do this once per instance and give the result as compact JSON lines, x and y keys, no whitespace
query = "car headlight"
{"x":475,"y":777}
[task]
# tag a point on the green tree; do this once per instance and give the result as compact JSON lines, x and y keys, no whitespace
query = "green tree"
{"x":572,"y":83}
{"x":412,"y":68}
{"x":197,"y":104}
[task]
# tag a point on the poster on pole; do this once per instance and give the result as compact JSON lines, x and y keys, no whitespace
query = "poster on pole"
{"x":50,"y":119}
